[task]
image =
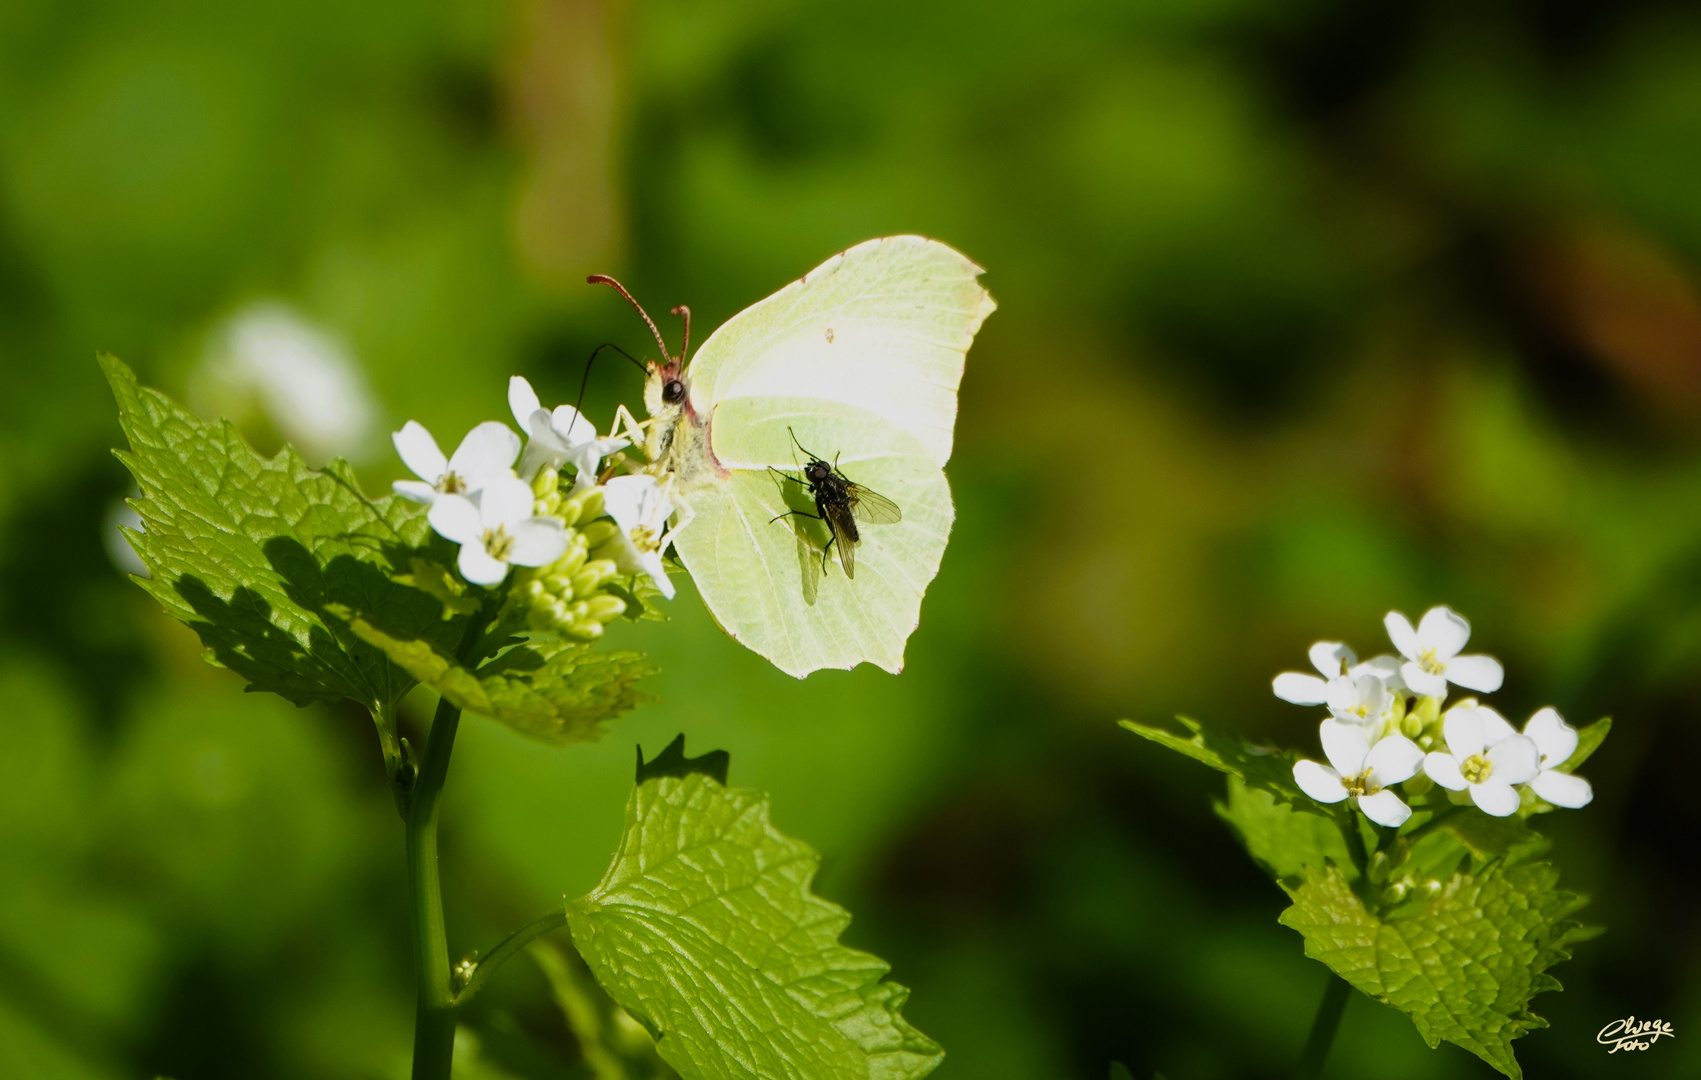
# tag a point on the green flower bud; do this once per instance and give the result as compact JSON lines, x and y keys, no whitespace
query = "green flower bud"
{"x":1394,"y":893}
{"x":547,"y":482}
{"x":1377,"y":871}
{"x":595,"y":575}
{"x":1427,"y":710}
{"x":1419,"y":785}
{"x":598,"y":533}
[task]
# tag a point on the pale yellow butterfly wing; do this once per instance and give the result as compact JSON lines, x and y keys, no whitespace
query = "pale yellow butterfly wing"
{"x":861,"y":360}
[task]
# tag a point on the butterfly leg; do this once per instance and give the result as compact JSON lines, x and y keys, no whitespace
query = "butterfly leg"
{"x":628,"y":427}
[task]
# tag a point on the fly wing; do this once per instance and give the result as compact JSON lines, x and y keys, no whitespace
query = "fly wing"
{"x":870,"y":507}
{"x":844,"y":536}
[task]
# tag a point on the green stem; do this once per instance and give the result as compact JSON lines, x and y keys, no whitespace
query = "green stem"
{"x":509,"y":945}
{"x":434,"y":1023}
{"x":1323,"y":1028}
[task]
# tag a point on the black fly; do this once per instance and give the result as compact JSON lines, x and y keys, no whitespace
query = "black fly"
{"x":841,"y":503}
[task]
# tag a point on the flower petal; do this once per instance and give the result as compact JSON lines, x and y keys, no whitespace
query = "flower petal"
{"x":1385,"y":808}
{"x":1476,"y":672}
{"x":1562,"y":789}
{"x":1319,"y":781}
{"x":506,"y":502}
{"x":1419,"y":681}
{"x":571,"y":426}
{"x":1515,"y":759}
{"x":1331,"y":658}
{"x":456,"y":518}
{"x":416,"y":490}
{"x":1289,"y":685}
{"x":1394,"y":758}
{"x":1386,"y":668}
{"x":485,"y":454}
{"x":1345,"y":745}
{"x":538,"y":541}
{"x":522,"y":400}
{"x":1462,"y":727}
{"x":1495,"y":796}
{"x":1556,"y":739}
{"x":478,"y":567}
{"x":623,"y":497}
{"x":1400,"y":632}
{"x":419,"y":452}
{"x":653,"y":566}
{"x":1444,"y":770}
{"x":1494,"y":726}
{"x":1443,"y":630}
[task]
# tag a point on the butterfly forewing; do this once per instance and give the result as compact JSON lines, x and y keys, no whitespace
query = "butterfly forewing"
{"x":872,"y":508}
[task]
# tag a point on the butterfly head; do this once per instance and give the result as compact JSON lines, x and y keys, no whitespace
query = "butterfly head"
{"x":664,"y":388}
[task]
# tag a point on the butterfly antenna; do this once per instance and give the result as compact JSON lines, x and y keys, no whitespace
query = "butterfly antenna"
{"x":586,"y":381}
{"x":604,"y":279}
{"x":685,"y":348}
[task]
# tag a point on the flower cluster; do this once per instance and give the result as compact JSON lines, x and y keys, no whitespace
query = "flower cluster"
{"x":1386,"y":727}
{"x":509,"y":508}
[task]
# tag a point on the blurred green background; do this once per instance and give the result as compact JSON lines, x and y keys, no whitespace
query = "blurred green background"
{"x":1307,"y":311}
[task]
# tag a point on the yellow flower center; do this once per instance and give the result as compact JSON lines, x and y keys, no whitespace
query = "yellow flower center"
{"x":1427,"y":661}
{"x":644,"y":538}
{"x":498,"y":543}
{"x":450,"y":484}
{"x":1360,"y":784}
{"x":1476,"y":768}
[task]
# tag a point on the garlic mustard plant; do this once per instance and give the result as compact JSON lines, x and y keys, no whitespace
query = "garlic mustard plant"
{"x":1415,"y":824}
{"x":494,"y":591}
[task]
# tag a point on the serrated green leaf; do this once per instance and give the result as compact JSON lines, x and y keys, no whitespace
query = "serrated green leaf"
{"x":704,"y":928}
{"x":555,"y":691}
{"x":1260,"y":767}
{"x":251,"y":551}
{"x":1285,"y":838}
{"x":1462,"y":966}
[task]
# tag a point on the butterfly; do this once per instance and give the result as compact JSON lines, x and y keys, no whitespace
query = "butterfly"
{"x":840,"y":503}
{"x":864,"y":353}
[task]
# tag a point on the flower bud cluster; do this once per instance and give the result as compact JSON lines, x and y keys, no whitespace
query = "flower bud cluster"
{"x":570,"y":594}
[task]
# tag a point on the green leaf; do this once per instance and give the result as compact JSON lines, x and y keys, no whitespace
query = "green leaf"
{"x":1463,"y":965}
{"x":555,"y":691}
{"x":1258,"y":766}
{"x":251,"y":552}
{"x":1284,"y":838}
{"x":704,"y":929}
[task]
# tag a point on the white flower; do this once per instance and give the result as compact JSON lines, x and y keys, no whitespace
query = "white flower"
{"x":1556,"y":741}
{"x":485,"y":455}
{"x":557,"y":437}
{"x":1362,"y":769}
{"x":499,"y":530}
{"x":1334,"y":661}
{"x":1485,"y":756}
{"x":641,"y":509}
{"x":1363,"y":700}
{"x":1432,"y":654}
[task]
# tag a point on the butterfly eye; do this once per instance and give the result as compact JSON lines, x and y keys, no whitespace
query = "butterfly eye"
{"x":674,"y":392}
